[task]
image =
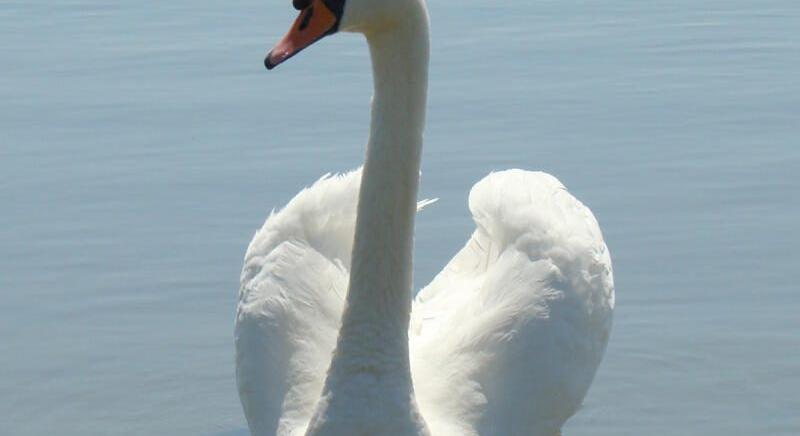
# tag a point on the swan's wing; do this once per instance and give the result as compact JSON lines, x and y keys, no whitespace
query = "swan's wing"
{"x":293,"y":285}
{"x":290,"y":302}
{"x":507,"y":338}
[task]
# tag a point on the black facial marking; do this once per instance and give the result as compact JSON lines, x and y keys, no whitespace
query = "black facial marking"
{"x":336,"y":6}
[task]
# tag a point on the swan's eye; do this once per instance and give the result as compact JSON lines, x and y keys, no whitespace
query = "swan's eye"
{"x":300,"y":4}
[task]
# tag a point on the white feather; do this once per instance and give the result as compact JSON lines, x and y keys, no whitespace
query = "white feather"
{"x":505,"y":340}
{"x":290,"y":303}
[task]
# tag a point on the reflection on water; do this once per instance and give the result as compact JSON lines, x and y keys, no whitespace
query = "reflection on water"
{"x":141,"y":145}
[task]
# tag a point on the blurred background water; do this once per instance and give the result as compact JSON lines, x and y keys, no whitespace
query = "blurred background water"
{"x":142,"y":144}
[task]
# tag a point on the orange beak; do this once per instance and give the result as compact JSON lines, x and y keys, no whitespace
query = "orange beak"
{"x":314,"y":22}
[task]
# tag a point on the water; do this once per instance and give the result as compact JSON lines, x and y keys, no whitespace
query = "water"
{"x":141,"y":144}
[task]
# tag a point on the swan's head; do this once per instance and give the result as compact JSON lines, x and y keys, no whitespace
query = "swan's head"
{"x":320,"y":18}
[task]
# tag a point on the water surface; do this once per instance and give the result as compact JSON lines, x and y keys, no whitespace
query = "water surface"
{"x":141,"y":145}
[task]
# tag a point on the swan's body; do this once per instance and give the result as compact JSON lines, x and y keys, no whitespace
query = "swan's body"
{"x":504,"y":342}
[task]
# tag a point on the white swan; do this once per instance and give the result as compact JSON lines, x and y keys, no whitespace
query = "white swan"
{"x":506,"y":339}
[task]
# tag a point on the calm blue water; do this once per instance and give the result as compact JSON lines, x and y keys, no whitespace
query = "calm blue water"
{"x":142,"y":143}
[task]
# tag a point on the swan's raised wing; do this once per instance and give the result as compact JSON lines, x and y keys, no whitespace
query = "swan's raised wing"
{"x":507,"y":338}
{"x":292,"y":292}
{"x":293,"y":287}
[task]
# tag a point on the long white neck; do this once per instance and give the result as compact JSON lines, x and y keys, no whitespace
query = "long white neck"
{"x":374,"y":332}
{"x":369,"y":388}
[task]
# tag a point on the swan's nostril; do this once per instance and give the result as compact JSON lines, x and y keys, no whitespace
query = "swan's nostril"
{"x":300,"y":4}
{"x":306,"y":19}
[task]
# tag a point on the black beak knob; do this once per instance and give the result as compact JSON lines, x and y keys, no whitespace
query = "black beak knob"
{"x":301,"y":4}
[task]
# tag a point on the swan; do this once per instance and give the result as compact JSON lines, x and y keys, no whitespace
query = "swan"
{"x":505,"y":341}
